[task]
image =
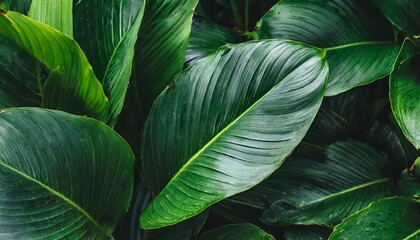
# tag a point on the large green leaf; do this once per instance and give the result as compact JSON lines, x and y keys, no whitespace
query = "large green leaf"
{"x":322,"y":186}
{"x":161,"y":48}
{"x":108,"y":36}
{"x":391,"y":219}
{"x":62,"y":176}
{"x":206,"y":37}
{"x":227,"y":123}
{"x":72,"y":85}
{"x":405,"y":97}
{"x":356,"y":35}
{"x":405,"y":14}
{"x":20,"y":74}
{"x":58,"y":14}
{"x":21,"y":6}
{"x":306,"y":233}
{"x":237,"y":231}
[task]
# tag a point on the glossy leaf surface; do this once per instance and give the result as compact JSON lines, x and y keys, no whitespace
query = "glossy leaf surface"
{"x":108,"y":36}
{"x":227,"y":123}
{"x":73,"y":87}
{"x":323,"y":188}
{"x":237,"y":231}
{"x":405,"y":14}
{"x":161,"y":47}
{"x":61,"y":177}
{"x":405,"y":97}
{"x":355,"y":33}
{"x":57,"y":14}
{"x":206,"y":37}
{"x":393,"y":219}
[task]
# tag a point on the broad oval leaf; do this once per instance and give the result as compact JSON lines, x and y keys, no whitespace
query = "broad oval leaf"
{"x":405,"y":97}
{"x":206,"y":37}
{"x":324,"y":189}
{"x":73,"y":87}
{"x":243,"y":231}
{"x":108,"y":36}
{"x":161,"y":47}
{"x":358,"y":38}
{"x":227,"y":123}
{"x":393,"y":219}
{"x":62,"y":176}
{"x":405,"y":14}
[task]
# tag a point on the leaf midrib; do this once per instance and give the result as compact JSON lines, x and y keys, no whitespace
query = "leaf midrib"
{"x":61,"y":196}
{"x":349,"y":190}
{"x":355,"y":44}
{"x":197,"y":154}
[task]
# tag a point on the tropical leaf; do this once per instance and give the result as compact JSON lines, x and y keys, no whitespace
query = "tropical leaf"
{"x":185,"y":230}
{"x":110,"y":46}
{"x":73,"y":86}
{"x":322,"y":186}
{"x":237,"y":231}
{"x":240,"y":110}
{"x":20,"y":74}
{"x":21,"y":6}
{"x":405,"y":97}
{"x":357,"y":37}
{"x":206,"y":37}
{"x":61,"y":177}
{"x":392,"y":219}
{"x":306,"y":233}
{"x":409,"y":183}
{"x":403,"y":14}
{"x":387,"y":136}
{"x":57,"y":14}
{"x":161,"y":47}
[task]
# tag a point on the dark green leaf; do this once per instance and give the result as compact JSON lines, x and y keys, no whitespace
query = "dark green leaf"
{"x":227,"y":123}
{"x":409,"y":183}
{"x":354,"y":32}
{"x":317,"y":186}
{"x":185,"y":230}
{"x":60,"y":175}
{"x":21,"y":6}
{"x":235,"y":232}
{"x":306,"y":233}
{"x":57,"y":14}
{"x":161,"y":47}
{"x":20,"y":74}
{"x":405,"y":97}
{"x":392,"y":219}
{"x":72,"y":86}
{"x":404,"y":14}
{"x":110,"y":46}
{"x":206,"y":38}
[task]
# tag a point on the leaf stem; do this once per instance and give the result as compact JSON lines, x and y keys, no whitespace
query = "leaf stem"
{"x":246,"y":15}
{"x":236,"y":15}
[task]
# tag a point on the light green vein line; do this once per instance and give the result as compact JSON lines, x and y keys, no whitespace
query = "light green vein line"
{"x":215,"y":138}
{"x":350,"y":190}
{"x":412,"y":235}
{"x":357,"y":44}
{"x":69,"y":201}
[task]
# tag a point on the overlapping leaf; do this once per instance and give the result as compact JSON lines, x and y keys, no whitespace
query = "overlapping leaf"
{"x":206,"y":37}
{"x":356,"y":35}
{"x":237,"y":231}
{"x":226,"y":123}
{"x":61,"y":177}
{"x":405,"y":14}
{"x":58,"y":14}
{"x":317,"y":187}
{"x":73,"y":86}
{"x":394,"y":219}
{"x":108,"y":36}
{"x":405,"y":97}
{"x":161,"y":47}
